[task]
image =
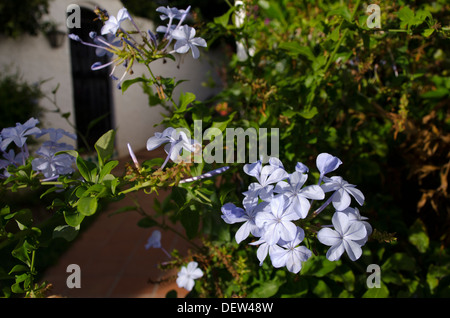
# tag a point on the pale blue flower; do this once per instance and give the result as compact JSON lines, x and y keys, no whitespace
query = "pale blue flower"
{"x":266,"y":176}
{"x":154,"y":240}
{"x":10,"y":158}
{"x":170,"y":13}
{"x":290,"y":254}
{"x":298,"y":195}
{"x":177,"y":141}
{"x":342,"y":190}
{"x":251,"y":209}
{"x":188,"y":274}
{"x":49,"y":163}
{"x":19,"y":133}
{"x":165,"y":29}
{"x":277,"y":224}
{"x":105,"y":44}
{"x":344,"y":237}
{"x":186,"y":40}
{"x":263,"y":249}
{"x":232,"y":214}
{"x":113,"y":23}
{"x":55,"y":134}
{"x":300,"y":167}
{"x":327,"y":163}
{"x":354,"y":216}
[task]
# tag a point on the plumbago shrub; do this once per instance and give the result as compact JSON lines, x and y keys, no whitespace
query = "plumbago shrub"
{"x":373,"y":95}
{"x":288,"y":224}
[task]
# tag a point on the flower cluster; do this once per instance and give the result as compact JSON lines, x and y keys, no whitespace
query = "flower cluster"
{"x":175,"y":140}
{"x":49,"y":162}
{"x":146,"y":47}
{"x":273,"y":205}
{"x":17,"y":135}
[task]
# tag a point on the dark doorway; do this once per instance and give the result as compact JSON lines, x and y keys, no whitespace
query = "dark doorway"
{"x":91,"y":89}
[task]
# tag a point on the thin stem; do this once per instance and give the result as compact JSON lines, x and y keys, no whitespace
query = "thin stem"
{"x":58,"y":110}
{"x":166,"y":227}
{"x":322,"y":207}
{"x":167,"y":253}
{"x":336,"y":48}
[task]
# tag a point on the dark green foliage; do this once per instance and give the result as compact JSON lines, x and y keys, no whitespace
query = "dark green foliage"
{"x":22,"y":17}
{"x":18,"y":100}
{"x":205,"y":10}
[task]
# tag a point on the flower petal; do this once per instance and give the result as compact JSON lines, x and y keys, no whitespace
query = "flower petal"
{"x":353,"y":249}
{"x":356,"y":231}
{"x":340,"y":222}
{"x":313,"y":192}
{"x":327,"y":163}
{"x":335,"y":252}
{"x":328,"y":237}
{"x":195,"y":51}
{"x":356,"y":193}
{"x":243,"y":232}
{"x":341,"y":200}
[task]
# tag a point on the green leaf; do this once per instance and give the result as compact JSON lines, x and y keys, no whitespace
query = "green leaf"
{"x":147,"y":222}
{"x":334,"y":36}
{"x":342,"y":11}
{"x":225,"y":18}
{"x":66,"y":232}
{"x":435,"y":275}
{"x":408,"y":18}
{"x":179,"y":196}
{"x":73,"y":218}
{"x":224,"y":191}
{"x":294,"y":48}
{"x":87,"y":206}
{"x":106,"y":169}
{"x":22,"y":252}
{"x":382,"y":292}
{"x":418,"y":236}
{"x":23,"y":218}
{"x":273,"y":10}
{"x":87,"y":169}
{"x":399,"y":261}
{"x":220,"y":124}
{"x":405,"y":14}
{"x":185,"y":100}
{"x":105,"y":146}
{"x":322,"y":290}
{"x":309,"y":113}
{"x":438,"y":93}
{"x":266,"y":289}
{"x":72,"y":153}
{"x":190,"y":219}
{"x":427,"y":32}
{"x":126,"y":84}
{"x":18,"y":268}
{"x":318,"y":266}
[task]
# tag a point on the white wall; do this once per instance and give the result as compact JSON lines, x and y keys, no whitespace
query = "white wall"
{"x":133,"y":118}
